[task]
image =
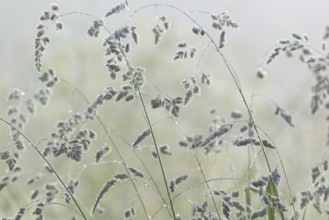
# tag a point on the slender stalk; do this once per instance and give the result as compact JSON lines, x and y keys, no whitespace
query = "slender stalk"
{"x":144,"y":109}
{"x":115,"y":148}
{"x":149,"y":125}
{"x":158,"y":152}
{"x":51,"y":167}
{"x":207,"y":184}
{"x":228,"y":66}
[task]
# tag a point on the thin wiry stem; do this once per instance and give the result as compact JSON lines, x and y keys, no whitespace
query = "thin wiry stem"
{"x":230,"y":69}
{"x":207,"y":184}
{"x":145,"y":112}
{"x":104,"y":126}
{"x":150,"y":127}
{"x":228,"y":66}
{"x":122,"y":138}
{"x":158,"y":152}
{"x":207,"y":181}
{"x":52,"y":203}
{"x":284,"y":173}
{"x":236,"y":81}
{"x":115,"y":147}
{"x":147,"y":170}
{"x":51,"y":167}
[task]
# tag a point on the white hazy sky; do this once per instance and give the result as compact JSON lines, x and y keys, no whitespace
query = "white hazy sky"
{"x":262,"y":22}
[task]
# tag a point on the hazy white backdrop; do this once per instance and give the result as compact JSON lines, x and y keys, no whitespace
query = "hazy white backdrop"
{"x":262,"y":22}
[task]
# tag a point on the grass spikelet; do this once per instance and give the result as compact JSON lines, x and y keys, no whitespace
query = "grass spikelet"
{"x":236,"y":114}
{"x":268,"y":144}
{"x":175,"y":111}
{"x":121,"y":176}
{"x":275,"y":175}
{"x":136,"y":172}
{"x":129,"y":213}
{"x":160,"y":28}
{"x":315,"y":174}
{"x":102,"y":151}
{"x":261,"y":73}
{"x":325,"y":165}
{"x":284,"y":41}
{"x":226,"y":210}
{"x":101,"y":193}
{"x":297,"y":36}
{"x":135,"y":35}
{"x":206,"y":79}
{"x":15,"y":94}
{"x":245,"y":141}
{"x":172,"y":186}
{"x":285,"y":115}
{"x":72,"y":185}
{"x":259,"y":183}
{"x":142,"y":136}
{"x":117,"y":9}
{"x":221,"y":43}
{"x":11,"y":163}
{"x":180,"y":179}
{"x":310,"y":60}
{"x":198,"y":31}
{"x":238,"y":206}
{"x":20,"y":214}
{"x":157,"y":102}
{"x":192,"y":52}
{"x":188,"y":97}
{"x":165,"y":149}
{"x":154,"y":154}
{"x":219,"y":132}
{"x":75,"y":152}
{"x":34,"y":194}
{"x":182,"y":44}
{"x":258,"y":214}
{"x":121,"y":95}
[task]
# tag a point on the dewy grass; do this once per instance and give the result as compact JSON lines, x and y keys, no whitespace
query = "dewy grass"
{"x":156,"y":169}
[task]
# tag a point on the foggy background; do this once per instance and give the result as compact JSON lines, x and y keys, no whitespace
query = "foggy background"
{"x":262,"y":24}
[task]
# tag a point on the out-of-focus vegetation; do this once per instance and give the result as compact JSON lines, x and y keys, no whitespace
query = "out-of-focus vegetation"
{"x":177,"y":130}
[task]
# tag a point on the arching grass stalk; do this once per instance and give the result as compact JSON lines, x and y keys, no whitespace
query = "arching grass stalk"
{"x":207,"y":183}
{"x":125,"y":166}
{"x":149,"y":124}
{"x":228,"y":66}
{"x":115,"y":148}
{"x":284,"y":173}
{"x":231,"y":71}
{"x":107,"y":132}
{"x":157,"y":152}
{"x":237,"y":84}
{"x":148,"y":172}
{"x":51,"y":167}
{"x":145,"y":114}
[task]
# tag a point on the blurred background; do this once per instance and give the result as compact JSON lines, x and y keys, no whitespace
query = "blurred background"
{"x":78,"y":59}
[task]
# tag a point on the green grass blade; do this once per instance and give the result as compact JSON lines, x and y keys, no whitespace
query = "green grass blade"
{"x":270,"y":190}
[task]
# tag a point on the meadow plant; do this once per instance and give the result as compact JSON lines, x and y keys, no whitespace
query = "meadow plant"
{"x":167,"y":162}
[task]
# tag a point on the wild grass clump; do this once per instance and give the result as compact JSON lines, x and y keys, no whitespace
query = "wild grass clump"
{"x":156,"y":142}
